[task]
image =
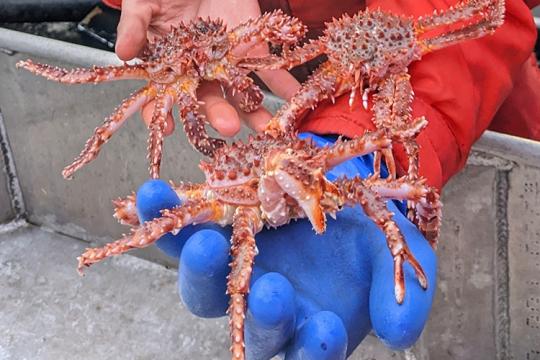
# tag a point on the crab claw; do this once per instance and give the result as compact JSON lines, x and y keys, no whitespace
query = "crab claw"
{"x":308,"y":197}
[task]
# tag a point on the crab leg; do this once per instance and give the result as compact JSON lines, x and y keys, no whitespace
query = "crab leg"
{"x":488,"y":21}
{"x":163,"y":105}
{"x":172,"y":220}
{"x":392,"y":111}
{"x":192,"y":121}
{"x":237,"y":81}
{"x":125,"y":209}
{"x":103,"y":133}
{"x":274,"y":27}
{"x":399,"y":189}
{"x":426,"y":201}
{"x":318,"y":87}
{"x":290,"y":59}
{"x":342,"y":151}
{"x":429,"y":215}
{"x":357,"y":191}
{"x":194,"y":127}
{"x":459,"y":12}
{"x":94,"y":75}
{"x":246,"y":223}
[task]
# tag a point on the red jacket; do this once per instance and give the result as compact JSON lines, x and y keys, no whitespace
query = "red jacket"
{"x":462,"y":90}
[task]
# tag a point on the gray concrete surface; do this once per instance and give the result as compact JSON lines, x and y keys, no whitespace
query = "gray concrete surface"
{"x":126,"y":309}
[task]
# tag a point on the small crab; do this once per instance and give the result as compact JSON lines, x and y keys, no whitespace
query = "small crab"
{"x":174,"y":66}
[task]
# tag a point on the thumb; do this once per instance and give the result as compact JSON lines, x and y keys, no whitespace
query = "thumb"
{"x":131,"y":32}
{"x":280,"y":82}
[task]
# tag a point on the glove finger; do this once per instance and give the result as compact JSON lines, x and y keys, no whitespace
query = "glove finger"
{"x":270,"y":321}
{"x":399,"y":326}
{"x":152,"y":197}
{"x":322,"y":336}
{"x":204,"y":265}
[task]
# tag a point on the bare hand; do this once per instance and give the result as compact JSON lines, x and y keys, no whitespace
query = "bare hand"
{"x":144,"y":19}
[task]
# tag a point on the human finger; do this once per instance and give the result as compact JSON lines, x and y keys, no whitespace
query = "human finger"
{"x":131,"y":32}
{"x":280,"y":82}
{"x":256,"y":120}
{"x":270,"y":321}
{"x":221,"y":115}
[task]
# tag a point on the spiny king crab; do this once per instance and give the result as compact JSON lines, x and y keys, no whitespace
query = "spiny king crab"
{"x":370,"y":52}
{"x":271,"y":180}
{"x":174,"y":67}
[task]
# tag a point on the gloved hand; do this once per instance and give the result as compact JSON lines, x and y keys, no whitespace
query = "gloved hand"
{"x":312,"y":296}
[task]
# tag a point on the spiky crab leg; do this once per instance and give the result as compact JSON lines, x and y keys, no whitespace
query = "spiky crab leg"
{"x":125,"y":209}
{"x":427,"y":202}
{"x":172,"y":220}
{"x":290,"y":59}
{"x":274,"y":27}
{"x":357,"y":191}
{"x":103,"y":133}
{"x":193,"y":122}
{"x":320,"y":86}
{"x":342,"y":151}
{"x":238,"y":82}
{"x":163,"y":105}
{"x":461,"y":11}
{"x":429,"y":215}
{"x":94,"y":75}
{"x":246,"y":223}
{"x":392,"y":111}
{"x":480,"y":17}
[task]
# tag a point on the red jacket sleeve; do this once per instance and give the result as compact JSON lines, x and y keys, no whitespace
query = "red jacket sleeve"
{"x":459,"y":89}
{"x":116,"y":4}
{"x":519,"y":115}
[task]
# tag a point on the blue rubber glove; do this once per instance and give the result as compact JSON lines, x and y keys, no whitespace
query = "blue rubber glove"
{"x":312,"y":296}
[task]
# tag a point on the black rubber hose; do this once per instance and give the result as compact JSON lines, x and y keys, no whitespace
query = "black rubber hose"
{"x":44,"y":10}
